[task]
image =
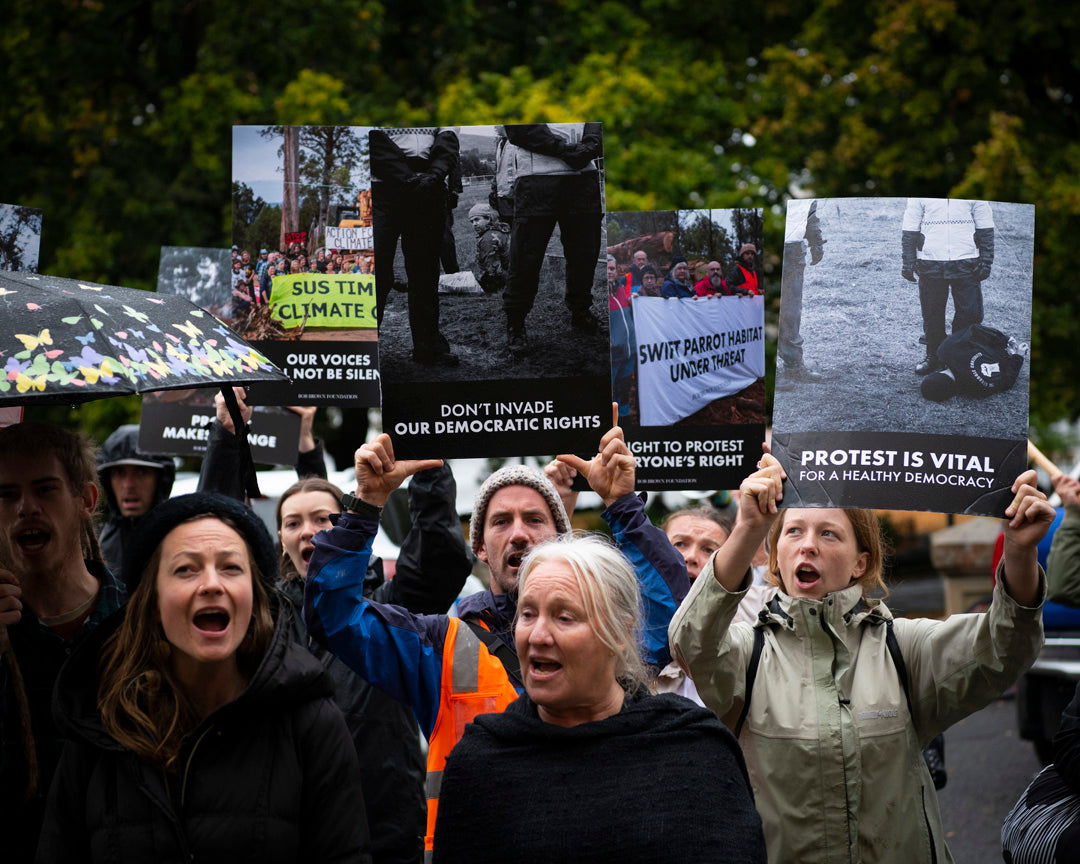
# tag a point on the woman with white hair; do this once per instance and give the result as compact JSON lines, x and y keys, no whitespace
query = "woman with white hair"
{"x":587,"y":734}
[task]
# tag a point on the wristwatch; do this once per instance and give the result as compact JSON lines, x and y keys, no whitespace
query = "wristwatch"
{"x":355,"y":505}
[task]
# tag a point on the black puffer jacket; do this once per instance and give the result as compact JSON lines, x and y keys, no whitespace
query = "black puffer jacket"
{"x":117,"y":529}
{"x":269,"y":777}
{"x":387,"y":741}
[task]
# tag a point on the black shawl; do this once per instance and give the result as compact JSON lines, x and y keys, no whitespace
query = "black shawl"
{"x":663,"y":780}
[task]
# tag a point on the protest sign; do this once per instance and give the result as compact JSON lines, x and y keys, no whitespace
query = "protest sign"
{"x":20,"y":237}
{"x":317,"y":300}
{"x":311,"y":314}
{"x":454,"y":383}
{"x":350,"y":238}
{"x":183,"y":428}
{"x":178,"y":422}
{"x":690,"y":352}
{"x":889,"y":395}
{"x":687,"y":350}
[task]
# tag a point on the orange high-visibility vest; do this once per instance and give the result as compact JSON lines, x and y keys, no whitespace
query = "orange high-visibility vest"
{"x":751,"y":278}
{"x":473,"y":682}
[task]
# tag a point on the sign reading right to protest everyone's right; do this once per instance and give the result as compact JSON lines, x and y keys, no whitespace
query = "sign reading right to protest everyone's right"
{"x":687,"y":318}
{"x":902,"y":378}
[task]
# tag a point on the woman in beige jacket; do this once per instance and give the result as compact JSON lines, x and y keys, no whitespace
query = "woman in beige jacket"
{"x":832,"y":735}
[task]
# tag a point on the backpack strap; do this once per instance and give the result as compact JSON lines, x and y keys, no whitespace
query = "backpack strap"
{"x":505,"y":655}
{"x":898,"y":661}
{"x":751,"y":674}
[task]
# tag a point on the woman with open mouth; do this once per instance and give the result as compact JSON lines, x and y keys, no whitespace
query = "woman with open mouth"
{"x":199,"y":729}
{"x":586,"y":765}
{"x":833,"y":700}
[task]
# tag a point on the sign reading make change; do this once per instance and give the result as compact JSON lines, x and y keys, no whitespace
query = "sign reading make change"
{"x":318,"y":300}
{"x":902,"y":378}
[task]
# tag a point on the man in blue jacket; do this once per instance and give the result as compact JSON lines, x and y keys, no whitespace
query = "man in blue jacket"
{"x":424,"y":660}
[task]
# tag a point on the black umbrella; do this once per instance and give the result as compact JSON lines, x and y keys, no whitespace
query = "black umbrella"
{"x":64,"y":340}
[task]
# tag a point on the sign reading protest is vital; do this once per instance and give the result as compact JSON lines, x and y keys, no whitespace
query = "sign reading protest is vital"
{"x":350,"y":238}
{"x":317,"y":300}
{"x":692,"y":351}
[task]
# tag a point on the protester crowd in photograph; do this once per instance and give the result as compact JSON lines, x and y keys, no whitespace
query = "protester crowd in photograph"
{"x":252,"y":277}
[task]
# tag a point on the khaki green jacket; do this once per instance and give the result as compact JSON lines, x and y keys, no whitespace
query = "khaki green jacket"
{"x":1063,"y":564}
{"x":835,"y":756}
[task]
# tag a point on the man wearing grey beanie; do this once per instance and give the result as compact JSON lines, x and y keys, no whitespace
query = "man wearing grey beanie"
{"x":448,"y":669}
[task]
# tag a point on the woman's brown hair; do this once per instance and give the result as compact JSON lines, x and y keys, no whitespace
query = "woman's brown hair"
{"x":308,"y":484}
{"x":142,"y":705}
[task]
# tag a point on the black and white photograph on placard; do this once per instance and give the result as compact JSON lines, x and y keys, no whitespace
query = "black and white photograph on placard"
{"x":497,"y":271}
{"x":686,"y":312}
{"x":20,"y":237}
{"x":200,"y":274}
{"x":491,"y":282}
{"x":902,"y":370}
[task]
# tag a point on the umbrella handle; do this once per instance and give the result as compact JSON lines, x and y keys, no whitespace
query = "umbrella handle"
{"x":247,"y":463}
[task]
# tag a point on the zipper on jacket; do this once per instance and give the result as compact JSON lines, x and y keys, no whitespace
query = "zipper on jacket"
{"x":187,"y":764}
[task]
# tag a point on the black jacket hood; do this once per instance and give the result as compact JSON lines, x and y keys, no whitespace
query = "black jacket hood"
{"x":123,"y":445}
{"x":287,"y":675}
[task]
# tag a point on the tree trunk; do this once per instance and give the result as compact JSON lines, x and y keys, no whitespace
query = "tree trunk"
{"x":290,"y":199}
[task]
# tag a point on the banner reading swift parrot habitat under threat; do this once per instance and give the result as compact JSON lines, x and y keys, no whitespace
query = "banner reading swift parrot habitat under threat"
{"x":686,"y":310}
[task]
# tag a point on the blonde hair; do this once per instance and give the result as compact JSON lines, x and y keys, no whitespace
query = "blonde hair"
{"x":609,"y":592}
{"x":868,"y":539}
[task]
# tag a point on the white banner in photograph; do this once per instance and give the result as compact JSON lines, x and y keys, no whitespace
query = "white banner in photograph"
{"x":349,"y":238}
{"x":691,"y":352}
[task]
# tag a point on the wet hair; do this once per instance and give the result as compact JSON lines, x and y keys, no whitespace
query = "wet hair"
{"x":142,"y":704}
{"x":609,"y":592}
{"x":77,"y":456}
{"x":867,"y":533}
{"x":307,"y":484}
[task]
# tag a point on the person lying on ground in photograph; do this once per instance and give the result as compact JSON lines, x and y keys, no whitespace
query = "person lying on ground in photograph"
{"x":197,"y":727}
{"x":587,"y":733}
{"x":828,"y":692}
{"x":421,"y":660}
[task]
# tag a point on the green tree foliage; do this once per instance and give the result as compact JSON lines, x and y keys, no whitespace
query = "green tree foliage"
{"x":117,"y":114}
